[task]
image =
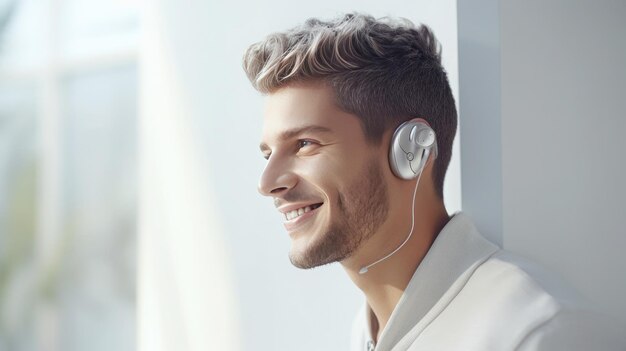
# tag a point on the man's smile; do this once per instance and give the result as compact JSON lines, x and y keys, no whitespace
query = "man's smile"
{"x":296,"y":214}
{"x":291,"y":214}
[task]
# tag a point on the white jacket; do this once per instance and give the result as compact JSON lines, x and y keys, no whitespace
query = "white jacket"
{"x":470,"y":295}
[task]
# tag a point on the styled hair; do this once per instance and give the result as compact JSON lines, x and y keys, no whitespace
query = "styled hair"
{"x":385,"y":71}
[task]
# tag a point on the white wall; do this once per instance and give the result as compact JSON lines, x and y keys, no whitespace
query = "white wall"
{"x":545,"y":85}
{"x":216,"y":118}
{"x":479,"y":113}
{"x":563,"y":123}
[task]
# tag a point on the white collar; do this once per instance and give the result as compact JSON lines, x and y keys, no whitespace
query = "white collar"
{"x":457,"y":248}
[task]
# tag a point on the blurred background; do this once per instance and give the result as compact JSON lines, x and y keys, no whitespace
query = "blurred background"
{"x":129,"y":217}
{"x":68,"y":174}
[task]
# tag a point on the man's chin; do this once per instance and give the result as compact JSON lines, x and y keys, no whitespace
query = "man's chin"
{"x":303,"y":262}
{"x":304,"y":259}
{"x":309,"y":255}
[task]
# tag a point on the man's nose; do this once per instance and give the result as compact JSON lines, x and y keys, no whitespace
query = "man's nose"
{"x":276,"y":178}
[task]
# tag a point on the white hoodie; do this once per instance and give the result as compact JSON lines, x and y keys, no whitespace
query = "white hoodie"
{"x":469,"y":295}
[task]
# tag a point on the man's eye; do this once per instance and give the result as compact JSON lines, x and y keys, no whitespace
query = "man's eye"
{"x":304,"y":143}
{"x":266,"y":156}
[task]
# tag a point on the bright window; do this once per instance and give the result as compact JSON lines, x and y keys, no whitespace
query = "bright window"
{"x":68,"y":169}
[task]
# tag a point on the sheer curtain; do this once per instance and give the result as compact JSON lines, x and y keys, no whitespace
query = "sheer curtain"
{"x":186,"y":297}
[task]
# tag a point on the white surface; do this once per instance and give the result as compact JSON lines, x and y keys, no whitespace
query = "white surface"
{"x":279,"y":307}
{"x":563,"y":121}
{"x":479,"y":111}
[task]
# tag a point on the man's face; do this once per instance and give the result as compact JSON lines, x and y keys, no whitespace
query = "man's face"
{"x":326,"y":180}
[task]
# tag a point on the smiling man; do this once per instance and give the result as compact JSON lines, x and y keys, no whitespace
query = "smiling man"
{"x":358,"y":131}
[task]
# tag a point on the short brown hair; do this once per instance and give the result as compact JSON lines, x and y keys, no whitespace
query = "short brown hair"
{"x":384,"y":71}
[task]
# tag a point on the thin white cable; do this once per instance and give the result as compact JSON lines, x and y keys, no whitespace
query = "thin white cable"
{"x":366,"y":268}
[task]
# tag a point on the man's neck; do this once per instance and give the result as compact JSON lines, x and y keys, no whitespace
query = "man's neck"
{"x":384,"y":283}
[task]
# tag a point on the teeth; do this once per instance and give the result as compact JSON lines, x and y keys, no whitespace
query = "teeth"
{"x":297,"y":213}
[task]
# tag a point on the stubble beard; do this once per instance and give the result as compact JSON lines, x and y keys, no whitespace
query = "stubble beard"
{"x":362,"y":210}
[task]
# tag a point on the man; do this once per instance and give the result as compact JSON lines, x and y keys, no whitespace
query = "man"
{"x":358,"y":133}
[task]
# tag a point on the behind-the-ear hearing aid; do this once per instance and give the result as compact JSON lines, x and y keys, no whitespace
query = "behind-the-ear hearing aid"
{"x":411,"y":144}
{"x":410,"y":147}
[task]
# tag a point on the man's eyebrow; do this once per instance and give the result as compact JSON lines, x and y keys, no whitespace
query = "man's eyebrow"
{"x":294,"y":132}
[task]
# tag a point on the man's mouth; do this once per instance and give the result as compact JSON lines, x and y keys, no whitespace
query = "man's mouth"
{"x":300,"y":211}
